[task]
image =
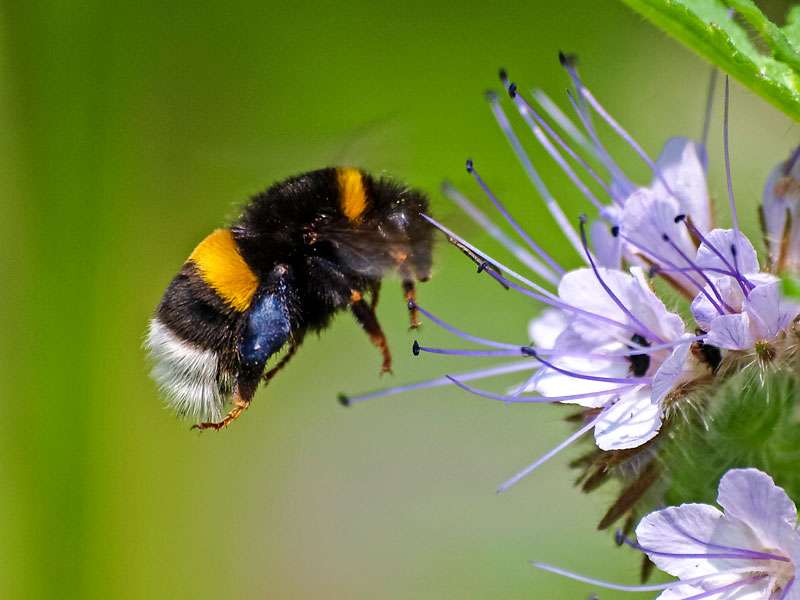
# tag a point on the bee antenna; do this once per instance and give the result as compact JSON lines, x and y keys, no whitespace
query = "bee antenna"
{"x":343,"y":400}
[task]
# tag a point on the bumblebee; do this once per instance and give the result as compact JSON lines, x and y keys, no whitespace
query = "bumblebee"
{"x":306,"y":248}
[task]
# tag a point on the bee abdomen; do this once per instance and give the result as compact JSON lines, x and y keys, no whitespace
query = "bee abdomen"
{"x":192,"y":338}
{"x":192,"y":378}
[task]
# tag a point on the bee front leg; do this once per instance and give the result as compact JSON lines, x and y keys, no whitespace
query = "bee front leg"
{"x":410,"y":293}
{"x":368,"y":320}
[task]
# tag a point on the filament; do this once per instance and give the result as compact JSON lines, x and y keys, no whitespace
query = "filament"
{"x":516,"y":226}
{"x":548,"y":455}
{"x":440,"y":381}
{"x":493,"y":230}
{"x":533,"y":175}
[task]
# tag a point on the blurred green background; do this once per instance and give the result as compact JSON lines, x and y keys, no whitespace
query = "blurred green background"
{"x":129,"y":131}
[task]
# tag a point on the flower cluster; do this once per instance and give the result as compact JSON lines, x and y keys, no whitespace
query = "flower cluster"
{"x":605,"y":340}
{"x":751,"y":550}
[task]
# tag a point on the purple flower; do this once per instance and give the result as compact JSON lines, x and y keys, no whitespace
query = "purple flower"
{"x":749,"y":550}
{"x":749,"y":307}
{"x":606,"y":341}
{"x":781,"y":215}
{"x":630,"y":371}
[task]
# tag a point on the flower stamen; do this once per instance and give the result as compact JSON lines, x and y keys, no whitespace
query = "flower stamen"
{"x":657,"y":587}
{"x":506,"y":369}
{"x":511,"y":221}
{"x":517,"y":399}
{"x":645,"y":331}
{"x":538,"y":183}
{"x":493,"y":230}
{"x":588,"y":377}
{"x":548,"y":455}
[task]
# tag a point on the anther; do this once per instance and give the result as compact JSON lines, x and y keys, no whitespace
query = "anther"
{"x":528,"y":351}
{"x":490,"y":95}
{"x":503,"y":75}
{"x":415,"y":348}
{"x":680,"y":218}
{"x":567,"y":60}
{"x":665,"y":237}
{"x":615,"y":230}
{"x":483,"y":266}
{"x":640,"y":363}
{"x":343,"y":400}
{"x":470,"y":168}
{"x":619,"y":537}
{"x":512,"y":90}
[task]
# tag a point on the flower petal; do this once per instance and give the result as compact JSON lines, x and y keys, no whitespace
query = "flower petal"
{"x":679,"y":164}
{"x":769,"y":314}
{"x":756,"y":590}
{"x":661,"y":531}
{"x":704,"y":312}
{"x":752,"y":497}
{"x":552,"y":383}
{"x":675,"y":536}
{"x":629,"y":423}
{"x":649,"y":308}
{"x":731,"y":332}
{"x":544,"y":329}
{"x":669,"y":373}
{"x":646,"y":219}
{"x":775,"y":209}
{"x":581,"y":289}
{"x":607,"y":248}
{"x":794,"y":593}
{"x":722,"y":240}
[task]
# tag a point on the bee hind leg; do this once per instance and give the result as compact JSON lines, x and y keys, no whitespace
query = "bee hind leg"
{"x":375,"y":292}
{"x":366,"y":317}
{"x":240,"y":404}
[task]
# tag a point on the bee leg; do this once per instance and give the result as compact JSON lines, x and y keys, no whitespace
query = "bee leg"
{"x":240,"y":405}
{"x":267,"y":329}
{"x":375,"y":290}
{"x":410,"y":292}
{"x":294,"y":345}
{"x":366,"y":317}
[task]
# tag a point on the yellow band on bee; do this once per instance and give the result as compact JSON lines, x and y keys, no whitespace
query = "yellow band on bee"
{"x":352,"y":195}
{"x":222,"y":267}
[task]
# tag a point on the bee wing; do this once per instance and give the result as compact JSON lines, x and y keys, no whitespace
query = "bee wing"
{"x":373,"y":252}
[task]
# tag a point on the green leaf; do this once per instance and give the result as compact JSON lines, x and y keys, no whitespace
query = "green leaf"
{"x":707,"y":27}
{"x":791,"y":287}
